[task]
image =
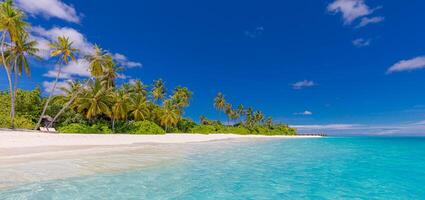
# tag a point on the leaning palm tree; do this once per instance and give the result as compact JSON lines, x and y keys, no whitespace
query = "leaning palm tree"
{"x":95,"y":101}
{"x":109,"y":75}
{"x":240,"y":111}
{"x":158,"y":90}
{"x":258,"y":117}
{"x":12,"y":25}
{"x":181,"y":97}
{"x":120,"y":106}
{"x":63,"y":49}
{"x":101,"y":65}
{"x":139,"y":107}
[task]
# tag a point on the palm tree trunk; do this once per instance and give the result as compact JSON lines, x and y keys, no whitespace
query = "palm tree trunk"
{"x":68,"y":103}
{"x":50,"y":97}
{"x":15,"y":87}
{"x":113,"y":125}
{"x":9,"y":78}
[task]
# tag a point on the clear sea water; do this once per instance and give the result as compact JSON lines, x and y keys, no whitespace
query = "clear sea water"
{"x":326,"y":168}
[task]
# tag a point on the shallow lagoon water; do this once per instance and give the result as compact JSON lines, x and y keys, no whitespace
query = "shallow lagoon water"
{"x":325,"y":168}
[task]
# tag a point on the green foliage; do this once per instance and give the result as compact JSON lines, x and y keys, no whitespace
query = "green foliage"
{"x":145,"y":127}
{"x":204,"y":129}
{"x":84,"y":128}
{"x":185,"y":125}
{"x":20,"y":122}
{"x":235,"y":130}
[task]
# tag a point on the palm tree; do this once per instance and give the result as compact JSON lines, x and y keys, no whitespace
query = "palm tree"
{"x":12,"y":24}
{"x":120,"y":106}
{"x":95,"y":101}
{"x":101,"y":65}
{"x":138,"y":87}
{"x":219,"y":102}
{"x":71,"y":93}
{"x":228,"y":110}
{"x":158,"y":90}
{"x":240,"y":111}
{"x":170,"y":116}
{"x":139,"y":107}
{"x":258,"y":116}
{"x":99,"y":61}
{"x":63,"y":49}
{"x":269,"y":122}
{"x":181,"y":97}
{"x":203,"y":120}
{"x":17,"y":54}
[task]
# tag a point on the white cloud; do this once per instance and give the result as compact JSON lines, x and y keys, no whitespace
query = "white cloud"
{"x":360,"y":42}
{"x":305,"y":113}
{"x":72,"y":69}
{"x":366,"y":21}
{"x":123,"y":61}
{"x":78,"y":39}
{"x":303,"y":84}
{"x":48,"y":86}
{"x":350,"y":9}
{"x":408,"y":65}
{"x":49,"y":8}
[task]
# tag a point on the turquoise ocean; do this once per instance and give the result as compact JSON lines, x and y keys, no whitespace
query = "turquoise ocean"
{"x":325,"y":168}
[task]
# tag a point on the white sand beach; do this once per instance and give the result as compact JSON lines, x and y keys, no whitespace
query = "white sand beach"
{"x":21,"y":139}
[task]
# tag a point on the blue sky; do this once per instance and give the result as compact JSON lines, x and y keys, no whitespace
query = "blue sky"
{"x":339,"y":65}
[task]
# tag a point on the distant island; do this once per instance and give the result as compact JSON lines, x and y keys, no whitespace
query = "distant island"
{"x":98,"y":104}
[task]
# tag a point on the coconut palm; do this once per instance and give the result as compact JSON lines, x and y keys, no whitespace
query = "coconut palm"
{"x":139,"y":107}
{"x":258,"y":117}
{"x":120,"y":106}
{"x":71,"y":92}
{"x":181,"y":97}
{"x":170,"y":115}
{"x":99,"y":61}
{"x":94,"y":101}
{"x":138,"y":87}
{"x":219,"y":102}
{"x":12,"y":25}
{"x":269,"y":122}
{"x":158,"y":90}
{"x":63,"y":49}
{"x":228,"y":110}
{"x":109,"y":75}
{"x":240,"y":111}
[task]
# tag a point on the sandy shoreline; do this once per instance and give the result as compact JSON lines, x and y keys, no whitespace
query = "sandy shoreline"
{"x":20,"y":139}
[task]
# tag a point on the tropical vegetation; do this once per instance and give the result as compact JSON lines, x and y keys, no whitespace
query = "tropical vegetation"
{"x":99,"y":104}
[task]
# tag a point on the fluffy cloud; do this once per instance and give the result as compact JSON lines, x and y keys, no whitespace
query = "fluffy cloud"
{"x":360,"y":42}
{"x":352,"y":10}
{"x":48,"y":86}
{"x":123,"y":61}
{"x":366,"y":21}
{"x":408,"y":65}
{"x":303,"y":84}
{"x":49,"y":8}
{"x":78,"y":39}
{"x":72,"y":69}
{"x":305,"y":113}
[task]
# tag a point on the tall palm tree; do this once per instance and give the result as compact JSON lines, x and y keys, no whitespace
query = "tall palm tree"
{"x":17,"y":54}
{"x":240,"y":111}
{"x":95,"y":101}
{"x":258,"y":116}
{"x":228,"y":110}
{"x":101,"y":65}
{"x":170,"y":116}
{"x":12,"y":24}
{"x":181,"y":97}
{"x":120,"y":106}
{"x":269,"y":122}
{"x":219,"y":103}
{"x":63,"y":49}
{"x":158,"y":90}
{"x":139,"y":107}
{"x":138,"y":87}
{"x":99,"y":62}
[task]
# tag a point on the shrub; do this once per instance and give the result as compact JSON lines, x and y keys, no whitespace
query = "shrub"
{"x":185,"y":125}
{"x":83,"y":128}
{"x":204,"y":129}
{"x":235,"y":130}
{"x":20,"y":122}
{"x":145,"y":127}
